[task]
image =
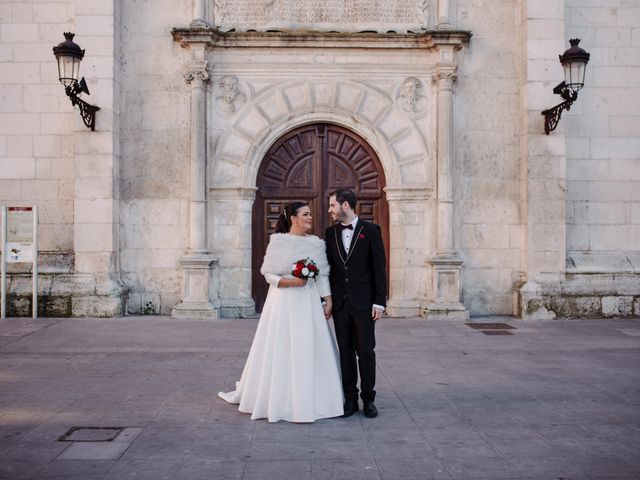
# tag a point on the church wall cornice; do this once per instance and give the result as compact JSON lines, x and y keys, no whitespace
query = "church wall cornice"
{"x":213,"y":38}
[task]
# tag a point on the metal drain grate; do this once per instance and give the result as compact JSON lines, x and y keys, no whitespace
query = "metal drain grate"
{"x":91,"y":434}
{"x":496,"y":332}
{"x":490,"y":326}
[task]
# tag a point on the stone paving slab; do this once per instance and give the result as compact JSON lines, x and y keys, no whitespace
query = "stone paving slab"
{"x":557,"y":399}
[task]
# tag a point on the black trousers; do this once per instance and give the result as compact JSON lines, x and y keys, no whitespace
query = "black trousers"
{"x":355,"y":332}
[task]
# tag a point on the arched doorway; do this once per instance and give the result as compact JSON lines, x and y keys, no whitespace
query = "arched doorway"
{"x":307,"y":164}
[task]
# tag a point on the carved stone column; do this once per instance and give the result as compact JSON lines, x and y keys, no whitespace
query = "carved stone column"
{"x":447,"y":266}
{"x":443,"y":14}
{"x":199,"y":14}
{"x":196,"y":263}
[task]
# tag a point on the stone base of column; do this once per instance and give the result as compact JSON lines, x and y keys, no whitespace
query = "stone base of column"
{"x":195,"y":310}
{"x":197,"y":282}
{"x":446,"y":311}
{"x":446,"y":281}
{"x":403,"y":308}
{"x":240,"y":308}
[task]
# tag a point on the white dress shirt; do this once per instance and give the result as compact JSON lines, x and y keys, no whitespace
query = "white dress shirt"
{"x":347,"y":234}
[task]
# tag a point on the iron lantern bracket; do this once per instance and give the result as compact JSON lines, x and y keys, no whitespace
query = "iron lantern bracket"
{"x":87,"y":111}
{"x":552,"y":115}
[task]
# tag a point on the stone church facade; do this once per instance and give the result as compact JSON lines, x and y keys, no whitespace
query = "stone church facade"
{"x":213,"y":114}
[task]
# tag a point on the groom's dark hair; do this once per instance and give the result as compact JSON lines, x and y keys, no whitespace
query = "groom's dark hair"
{"x":345,"y":196}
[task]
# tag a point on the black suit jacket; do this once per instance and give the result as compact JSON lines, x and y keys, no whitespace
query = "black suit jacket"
{"x":360,"y":276}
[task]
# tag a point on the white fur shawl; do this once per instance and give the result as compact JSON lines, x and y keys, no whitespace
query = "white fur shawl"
{"x":286,"y":249}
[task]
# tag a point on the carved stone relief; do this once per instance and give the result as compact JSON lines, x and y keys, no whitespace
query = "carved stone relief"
{"x":400,"y":16}
{"x":351,"y":104}
{"x":230,"y":98}
{"x":410,"y":97}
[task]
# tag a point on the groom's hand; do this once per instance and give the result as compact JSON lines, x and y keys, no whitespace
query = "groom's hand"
{"x":327,"y":307}
{"x":376,"y":313}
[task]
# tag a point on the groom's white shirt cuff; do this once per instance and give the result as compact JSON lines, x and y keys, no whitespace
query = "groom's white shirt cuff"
{"x":379,"y":307}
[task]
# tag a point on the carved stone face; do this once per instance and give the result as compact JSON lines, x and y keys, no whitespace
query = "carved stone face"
{"x":229,"y":87}
{"x":409,"y":93}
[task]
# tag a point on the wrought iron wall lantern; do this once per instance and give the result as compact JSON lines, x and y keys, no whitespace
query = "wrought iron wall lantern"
{"x":69,"y":55}
{"x":574,"y":61}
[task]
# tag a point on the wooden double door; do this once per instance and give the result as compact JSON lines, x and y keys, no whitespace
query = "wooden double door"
{"x":307,"y":164}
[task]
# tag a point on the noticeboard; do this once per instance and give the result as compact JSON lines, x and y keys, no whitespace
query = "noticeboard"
{"x":19,"y":245}
{"x":19,"y":234}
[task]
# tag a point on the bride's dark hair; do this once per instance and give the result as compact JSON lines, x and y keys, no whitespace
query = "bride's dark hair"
{"x":284,"y":220}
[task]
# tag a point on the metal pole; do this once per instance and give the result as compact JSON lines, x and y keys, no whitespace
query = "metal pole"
{"x":4,"y":263}
{"x":34,"y":312}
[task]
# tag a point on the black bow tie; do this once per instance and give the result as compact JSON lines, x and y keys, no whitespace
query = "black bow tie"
{"x":342,"y":227}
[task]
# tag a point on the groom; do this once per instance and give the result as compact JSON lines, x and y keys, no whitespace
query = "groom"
{"x":358,"y":287}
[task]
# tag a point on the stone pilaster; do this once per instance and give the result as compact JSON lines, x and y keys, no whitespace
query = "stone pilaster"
{"x":447,"y":265}
{"x":230,"y":240}
{"x":443,"y":14}
{"x":199,"y":14}
{"x":410,"y":238}
{"x":196,"y":263}
{"x":196,"y":77}
{"x":543,"y":166}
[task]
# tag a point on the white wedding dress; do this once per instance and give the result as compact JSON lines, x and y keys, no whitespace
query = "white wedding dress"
{"x":292,"y":371}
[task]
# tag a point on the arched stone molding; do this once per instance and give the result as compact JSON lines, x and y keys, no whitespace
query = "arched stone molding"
{"x":375,"y":116}
{"x":367,"y":111}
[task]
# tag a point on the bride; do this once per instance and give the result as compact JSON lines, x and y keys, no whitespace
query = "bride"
{"x":292,"y":371}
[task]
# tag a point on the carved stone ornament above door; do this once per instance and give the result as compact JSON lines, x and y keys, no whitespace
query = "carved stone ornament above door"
{"x":399,"y":16}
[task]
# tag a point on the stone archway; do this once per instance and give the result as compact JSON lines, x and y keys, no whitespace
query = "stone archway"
{"x":391,"y":133}
{"x":306,"y":164}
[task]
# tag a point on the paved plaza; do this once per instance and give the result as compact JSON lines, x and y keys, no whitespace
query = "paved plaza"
{"x":135,"y":398}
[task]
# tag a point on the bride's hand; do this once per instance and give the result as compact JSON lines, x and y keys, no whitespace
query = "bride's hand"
{"x":292,"y":282}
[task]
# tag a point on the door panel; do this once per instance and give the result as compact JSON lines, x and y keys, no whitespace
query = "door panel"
{"x":306,"y":164}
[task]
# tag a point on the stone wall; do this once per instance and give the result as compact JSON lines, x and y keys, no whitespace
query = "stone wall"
{"x":486,"y":127}
{"x":36,"y":142}
{"x":36,"y":124}
{"x":603,"y":132}
{"x":154,"y":186}
{"x":49,"y":158}
{"x":596,"y":144}
{"x":603,"y":164}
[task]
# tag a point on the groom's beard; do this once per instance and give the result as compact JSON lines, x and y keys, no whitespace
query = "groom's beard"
{"x":341,"y":217}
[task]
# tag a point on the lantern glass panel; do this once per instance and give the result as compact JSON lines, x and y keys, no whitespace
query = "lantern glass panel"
{"x":574,"y":75}
{"x":68,"y":69}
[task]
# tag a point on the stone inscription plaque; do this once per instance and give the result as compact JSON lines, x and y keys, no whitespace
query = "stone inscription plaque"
{"x":400,"y":16}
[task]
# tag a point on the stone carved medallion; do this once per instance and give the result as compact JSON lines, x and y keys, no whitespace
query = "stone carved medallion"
{"x":400,"y":16}
{"x":410,"y":97}
{"x":230,"y":99}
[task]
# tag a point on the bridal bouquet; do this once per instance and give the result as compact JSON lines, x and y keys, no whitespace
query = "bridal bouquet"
{"x":305,"y":269}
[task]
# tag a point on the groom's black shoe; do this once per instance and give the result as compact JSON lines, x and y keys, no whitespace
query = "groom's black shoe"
{"x":350,"y":407}
{"x":370,"y":410}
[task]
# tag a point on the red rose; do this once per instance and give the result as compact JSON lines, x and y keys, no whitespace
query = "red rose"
{"x":298,"y":269}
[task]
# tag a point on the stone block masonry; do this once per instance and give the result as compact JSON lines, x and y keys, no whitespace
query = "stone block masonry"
{"x":480,"y":200}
